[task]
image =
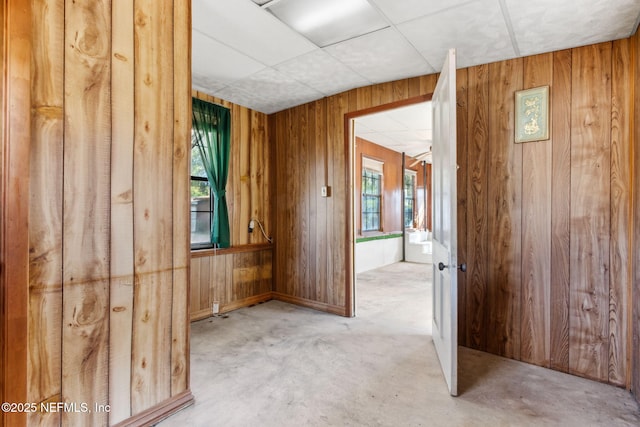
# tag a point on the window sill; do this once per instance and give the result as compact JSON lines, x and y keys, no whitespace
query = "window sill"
{"x":254,"y":247}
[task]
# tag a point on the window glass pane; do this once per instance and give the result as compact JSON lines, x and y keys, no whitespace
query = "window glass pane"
{"x":371,"y":200}
{"x":197,"y":167}
{"x":409,"y":199}
{"x":200,"y":212}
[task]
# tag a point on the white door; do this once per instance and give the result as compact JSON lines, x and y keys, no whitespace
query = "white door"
{"x":445,"y":257}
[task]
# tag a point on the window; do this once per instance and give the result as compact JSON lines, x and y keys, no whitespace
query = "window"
{"x":210,"y":148}
{"x":409,"y":198}
{"x":201,"y":206}
{"x":371,"y":194}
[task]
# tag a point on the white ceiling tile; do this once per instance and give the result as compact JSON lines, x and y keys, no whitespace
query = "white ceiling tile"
{"x":273,"y":91}
{"x":477,"y":30}
{"x":380,"y":139}
{"x":380,"y":123}
{"x":548,"y":25}
{"x":407,"y":10}
{"x":235,"y":65}
{"x":204,"y":83}
{"x":406,"y":135}
{"x":246,"y":27}
{"x":416,"y":116}
{"x":381,"y":56}
{"x":322,"y":72}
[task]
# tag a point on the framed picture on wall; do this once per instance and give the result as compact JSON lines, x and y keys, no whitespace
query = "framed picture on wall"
{"x":532,"y":114}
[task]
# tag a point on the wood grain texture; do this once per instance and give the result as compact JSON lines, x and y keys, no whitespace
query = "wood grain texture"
{"x":122,"y":230}
{"x":560,"y":210}
{"x":536,"y":229}
{"x":462,"y":159}
{"x":620,"y":187}
{"x":86,"y":272}
{"x":635,"y":233}
{"x":504,"y":220}
{"x":340,"y":261}
{"x":180,"y":329}
{"x":233,"y":280}
{"x":14,"y":205}
{"x":477,"y":205}
{"x":90,"y":157}
{"x":45,"y":210}
{"x":153,"y":213}
{"x":590,"y":211}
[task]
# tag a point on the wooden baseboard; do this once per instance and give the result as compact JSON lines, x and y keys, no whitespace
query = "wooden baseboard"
{"x":160,"y":412}
{"x":200,"y":314}
{"x":225,"y":308}
{"x":320,"y":306}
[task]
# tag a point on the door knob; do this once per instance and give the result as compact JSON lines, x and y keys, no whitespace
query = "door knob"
{"x":462,"y":267}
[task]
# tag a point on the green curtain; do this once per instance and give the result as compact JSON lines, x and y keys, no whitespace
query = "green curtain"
{"x":212,"y":135}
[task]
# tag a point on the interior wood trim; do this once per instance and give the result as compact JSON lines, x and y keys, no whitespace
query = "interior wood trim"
{"x":159,"y":412}
{"x":240,"y":249}
{"x":14,"y":208}
{"x":303,"y":302}
{"x":349,"y":154}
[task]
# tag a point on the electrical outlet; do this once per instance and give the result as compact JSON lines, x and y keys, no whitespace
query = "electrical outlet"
{"x":215,"y":307}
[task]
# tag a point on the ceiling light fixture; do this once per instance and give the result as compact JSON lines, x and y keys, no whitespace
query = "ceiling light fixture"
{"x":328,"y":21}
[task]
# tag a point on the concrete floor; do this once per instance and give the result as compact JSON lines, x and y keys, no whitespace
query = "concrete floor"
{"x":276,"y":364}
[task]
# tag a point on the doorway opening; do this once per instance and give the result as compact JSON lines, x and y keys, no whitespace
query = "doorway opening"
{"x":390,"y":177}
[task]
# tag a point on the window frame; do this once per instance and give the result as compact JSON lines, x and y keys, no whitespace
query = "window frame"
{"x":372,"y":167}
{"x":414,"y":180}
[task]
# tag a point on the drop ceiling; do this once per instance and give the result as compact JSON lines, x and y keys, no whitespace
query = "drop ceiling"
{"x":244,"y":54}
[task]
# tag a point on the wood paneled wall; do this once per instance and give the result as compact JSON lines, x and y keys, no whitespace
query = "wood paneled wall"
{"x":236,"y":279}
{"x":392,"y":215}
{"x":543,"y":226}
{"x":109,"y":222}
{"x":14,"y":205}
{"x":241,"y":275}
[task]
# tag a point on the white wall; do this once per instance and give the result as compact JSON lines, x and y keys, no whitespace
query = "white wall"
{"x":377,"y":253}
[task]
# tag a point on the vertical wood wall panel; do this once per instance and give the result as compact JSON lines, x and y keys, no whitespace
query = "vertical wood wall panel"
{"x":340,"y":265}
{"x":86,"y":223}
{"x":180,"y":329}
{"x":45,"y":215}
{"x":560,"y":210}
{"x":15,"y":123}
{"x":620,"y":277}
{"x":536,"y":228}
{"x":477,"y":206}
{"x":590,"y":211}
{"x":504,"y":221}
{"x":303,"y":192}
{"x":635,"y":232}
{"x":151,"y":345}
{"x":321,"y":171}
{"x":463,"y":169}
{"x":122,"y":230}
